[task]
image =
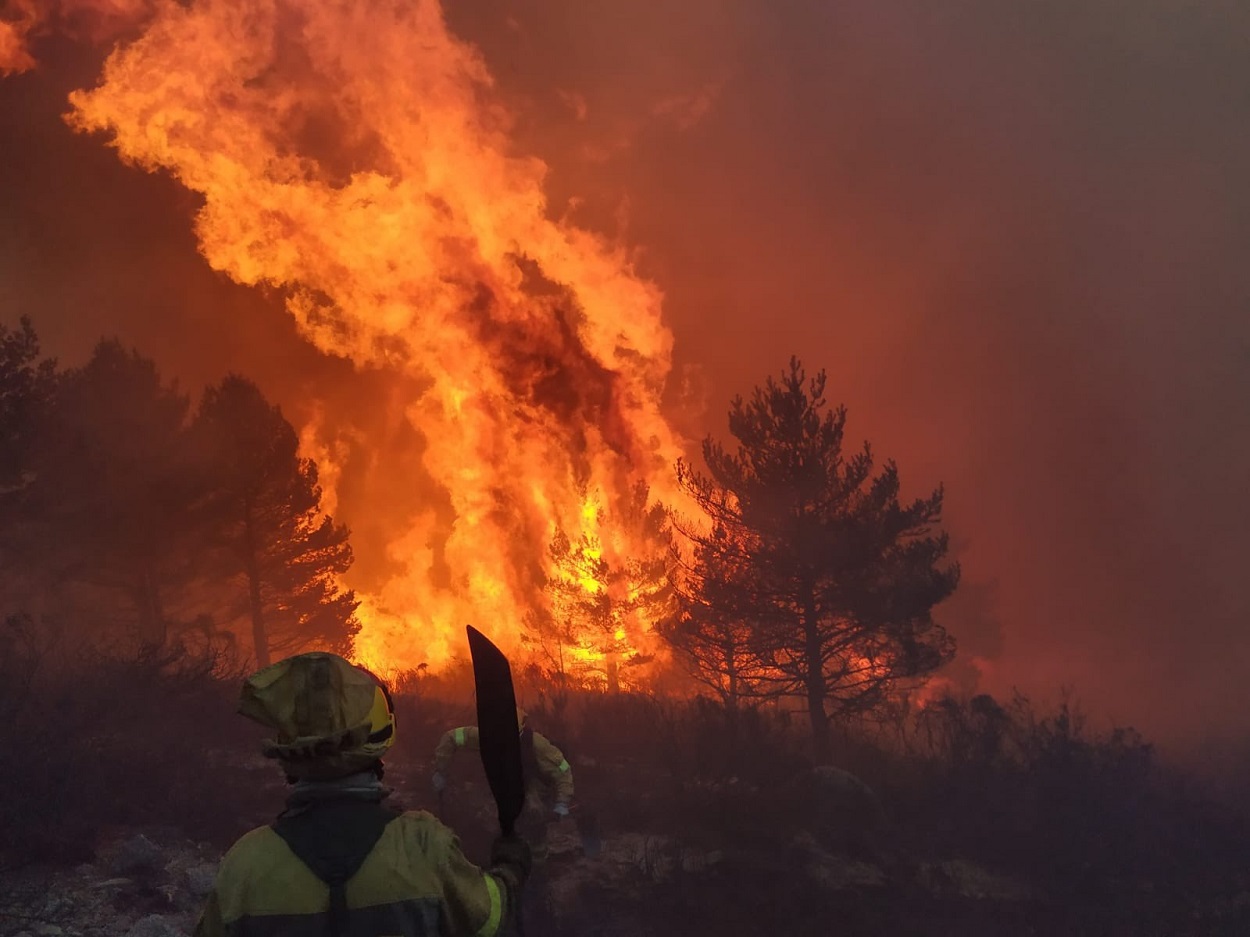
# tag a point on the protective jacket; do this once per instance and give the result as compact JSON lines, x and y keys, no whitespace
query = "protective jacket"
{"x":357,"y":869}
{"x":544,"y":762}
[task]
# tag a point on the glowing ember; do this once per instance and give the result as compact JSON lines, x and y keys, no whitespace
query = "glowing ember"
{"x":348,"y":152}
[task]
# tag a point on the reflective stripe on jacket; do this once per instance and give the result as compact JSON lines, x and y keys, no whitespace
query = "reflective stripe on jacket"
{"x":415,"y":882}
{"x":553,"y":768}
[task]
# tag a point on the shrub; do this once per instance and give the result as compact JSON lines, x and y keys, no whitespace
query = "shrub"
{"x":105,"y":739}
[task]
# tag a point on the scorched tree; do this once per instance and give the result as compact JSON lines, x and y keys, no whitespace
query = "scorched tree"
{"x":834,"y":576}
{"x":271,"y":532}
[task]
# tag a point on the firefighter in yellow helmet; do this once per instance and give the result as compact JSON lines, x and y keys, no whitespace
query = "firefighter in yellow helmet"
{"x":337,"y":860}
{"x":546,"y":769}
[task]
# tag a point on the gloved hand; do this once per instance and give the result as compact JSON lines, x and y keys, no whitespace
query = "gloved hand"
{"x":512,"y":853}
{"x":562,"y":810}
{"x":439,"y":782}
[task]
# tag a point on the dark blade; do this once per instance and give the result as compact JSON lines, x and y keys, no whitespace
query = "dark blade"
{"x":499,"y":736}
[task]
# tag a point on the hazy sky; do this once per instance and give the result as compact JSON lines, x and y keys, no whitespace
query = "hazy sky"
{"x":1012,"y":232}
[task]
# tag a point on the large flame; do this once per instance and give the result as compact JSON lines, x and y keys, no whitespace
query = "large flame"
{"x":349,"y":152}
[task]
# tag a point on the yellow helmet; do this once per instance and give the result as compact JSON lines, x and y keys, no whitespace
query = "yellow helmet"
{"x":331,"y":717}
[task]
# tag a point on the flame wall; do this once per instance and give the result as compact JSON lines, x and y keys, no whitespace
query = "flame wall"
{"x":349,"y":154}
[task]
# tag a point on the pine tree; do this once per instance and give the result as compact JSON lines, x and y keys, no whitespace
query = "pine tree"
{"x":27,"y":382}
{"x":835,"y":576}
{"x":716,"y":640}
{"x":271,"y":534}
{"x":111,"y":497}
{"x":604,"y":598}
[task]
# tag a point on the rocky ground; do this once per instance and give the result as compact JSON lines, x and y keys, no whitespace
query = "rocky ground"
{"x":826,"y":861}
{"x":142,"y":884}
{"x":151,"y":884}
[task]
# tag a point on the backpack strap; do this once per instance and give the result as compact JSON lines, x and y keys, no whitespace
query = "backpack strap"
{"x":333,"y":839}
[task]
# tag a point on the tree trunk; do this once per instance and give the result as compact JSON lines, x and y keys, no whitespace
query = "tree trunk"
{"x":612,"y":668}
{"x":732,"y":673}
{"x":814,"y":681}
{"x":731,"y":695}
{"x":260,"y":637}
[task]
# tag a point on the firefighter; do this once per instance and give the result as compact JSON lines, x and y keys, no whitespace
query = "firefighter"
{"x":338,"y":860}
{"x":547,"y":771}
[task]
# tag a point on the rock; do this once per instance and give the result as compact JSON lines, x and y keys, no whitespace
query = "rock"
{"x":155,"y":925}
{"x":968,"y":880}
{"x":200,"y":879}
{"x":838,"y":787}
{"x":656,"y":857}
{"x":833,"y":871}
{"x":563,"y":840}
{"x":48,"y":930}
{"x":133,"y":854}
{"x":842,"y":812}
{"x":693,"y":862}
{"x":54,"y":906}
{"x":841,"y":873}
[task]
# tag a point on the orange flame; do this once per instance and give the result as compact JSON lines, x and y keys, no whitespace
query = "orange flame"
{"x":14,"y":54}
{"x":23,"y":20}
{"x":349,"y":152}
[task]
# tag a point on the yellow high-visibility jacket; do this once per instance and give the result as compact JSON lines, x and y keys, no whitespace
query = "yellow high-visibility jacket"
{"x":414,"y":881}
{"x":552,"y":768}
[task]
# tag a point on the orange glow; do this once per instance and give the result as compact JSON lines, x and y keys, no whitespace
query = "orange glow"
{"x":350,"y":154}
{"x":21,"y":19}
{"x":24,"y":20}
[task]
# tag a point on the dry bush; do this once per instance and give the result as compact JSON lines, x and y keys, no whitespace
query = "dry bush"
{"x":1090,"y":817}
{"x":102,"y":739}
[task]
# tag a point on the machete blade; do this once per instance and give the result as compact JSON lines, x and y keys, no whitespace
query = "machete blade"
{"x":499,"y":736}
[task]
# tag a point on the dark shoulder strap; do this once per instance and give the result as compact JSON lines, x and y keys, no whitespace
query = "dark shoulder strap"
{"x":333,"y":839}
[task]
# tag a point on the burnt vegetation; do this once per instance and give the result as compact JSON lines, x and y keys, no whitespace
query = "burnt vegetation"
{"x":155,"y":548}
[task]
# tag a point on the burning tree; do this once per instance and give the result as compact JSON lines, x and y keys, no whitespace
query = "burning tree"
{"x":271,"y":532}
{"x":717,"y":642}
{"x":836,"y":577}
{"x":366,"y":174}
{"x":604,"y":597}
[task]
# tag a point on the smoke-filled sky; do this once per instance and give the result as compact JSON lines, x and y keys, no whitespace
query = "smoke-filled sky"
{"x":1011,"y":232}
